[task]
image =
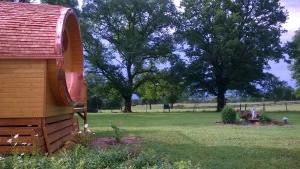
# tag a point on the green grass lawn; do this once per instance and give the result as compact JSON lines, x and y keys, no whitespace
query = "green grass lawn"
{"x":197,"y":137}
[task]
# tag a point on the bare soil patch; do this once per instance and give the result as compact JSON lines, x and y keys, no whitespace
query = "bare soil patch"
{"x":106,"y":142}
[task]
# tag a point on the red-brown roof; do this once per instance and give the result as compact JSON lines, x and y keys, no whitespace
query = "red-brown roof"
{"x":30,"y":30}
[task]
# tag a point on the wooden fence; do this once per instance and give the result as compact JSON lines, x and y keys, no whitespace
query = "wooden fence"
{"x":197,"y":107}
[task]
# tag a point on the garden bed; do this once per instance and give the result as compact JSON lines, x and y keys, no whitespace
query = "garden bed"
{"x":106,"y":142}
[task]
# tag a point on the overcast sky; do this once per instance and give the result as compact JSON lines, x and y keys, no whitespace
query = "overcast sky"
{"x":280,"y":69}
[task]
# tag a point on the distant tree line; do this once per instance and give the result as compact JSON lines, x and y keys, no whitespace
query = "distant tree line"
{"x":163,"y":54}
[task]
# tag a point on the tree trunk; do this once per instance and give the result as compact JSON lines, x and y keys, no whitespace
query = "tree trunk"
{"x":127,"y":107}
{"x":171,"y":105}
{"x":150,"y":105}
{"x":221,"y":100}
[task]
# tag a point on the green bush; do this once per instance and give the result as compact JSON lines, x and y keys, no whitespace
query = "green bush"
{"x":228,"y":115}
{"x":117,"y":133}
{"x":83,"y":138}
{"x":80,"y":157}
{"x":264,"y":118}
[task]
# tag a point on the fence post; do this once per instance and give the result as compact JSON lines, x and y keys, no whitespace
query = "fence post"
{"x":240,"y":107}
{"x":245,"y":107}
{"x":286,"y":109}
{"x":264,"y":107}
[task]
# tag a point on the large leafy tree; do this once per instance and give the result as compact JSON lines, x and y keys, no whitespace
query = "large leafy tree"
{"x":124,"y":40}
{"x":100,"y":93}
{"x":166,"y":86}
{"x":294,"y":53}
{"x":229,"y":43}
{"x":149,"y":92}
{"x":67,"y":3}
{"x":275,"y":89}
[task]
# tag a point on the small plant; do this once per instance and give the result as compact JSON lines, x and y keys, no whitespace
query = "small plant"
{"x":83,"y":138}
{"x":117,"y":133}
{"x":264,"y":118}
{"x":228,"y":115}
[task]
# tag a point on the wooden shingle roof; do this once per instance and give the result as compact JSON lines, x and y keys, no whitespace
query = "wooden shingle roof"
{"x":31,"y":31}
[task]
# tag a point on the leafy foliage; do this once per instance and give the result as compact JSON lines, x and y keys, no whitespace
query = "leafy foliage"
{"x":83,"y":138}
{"x":86,"y":158}
{"x":264,"y":118}
{"x":124,"y":39}
{"x":68,"y":3}
{"x":117,"y":133}
{"x":167,"y":87}
{"x":101,"y":95}
{"x":275,"y":89}
{"x":229,"y":43}
{"x":228,"y":115}
{"x":294,"y":54}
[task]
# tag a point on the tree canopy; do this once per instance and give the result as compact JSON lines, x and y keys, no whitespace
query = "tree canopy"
{"x":229,"y":43}
{"x":67,"y":3}
{"x":294,"y":53}
{"x":125,"y":39}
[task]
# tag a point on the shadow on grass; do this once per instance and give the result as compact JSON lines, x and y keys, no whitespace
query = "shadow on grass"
{"x":230,"y":156}
{"x":176,"y":146}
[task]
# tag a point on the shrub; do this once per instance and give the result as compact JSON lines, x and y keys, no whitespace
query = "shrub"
{"x":264,"y":118}
{"x":80,"y":157}
{"x":83,"y":138}
{"x":228,"y":115}
{"x":117,"y":133}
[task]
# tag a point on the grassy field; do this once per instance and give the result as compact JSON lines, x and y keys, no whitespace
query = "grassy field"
{"x":197,"y":137}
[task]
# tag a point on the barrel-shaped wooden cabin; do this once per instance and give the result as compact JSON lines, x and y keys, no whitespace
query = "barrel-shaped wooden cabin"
{"x":41,"y":76}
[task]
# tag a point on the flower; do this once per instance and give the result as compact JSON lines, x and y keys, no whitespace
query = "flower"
{"x":86,"y":125}
{"x":16,"y":136}
{"x":9,"y":141}
{"x":22,"y":154}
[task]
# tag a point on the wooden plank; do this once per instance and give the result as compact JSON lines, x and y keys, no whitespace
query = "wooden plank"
{"x":53,"y":119}
{"x":19,"y":121}
{"x":20,"y":105}
{"x":41,"y":141}
{"x":20,"y":140}
{"x":17,"y":149}
{"x":58,"y":126}
{"x":59,"y":134}
{"x":11,"y":131}
{"x":48,"y":148}
{"x":7,"y":84}
{"x":7,"y":75}
{"x":59,"y":143}
{"x":23,"y":80}
{"x":22,"y":112}
{"x":25,"y":91}
{"x":22,"y":88}
{"x":42,"y":150}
